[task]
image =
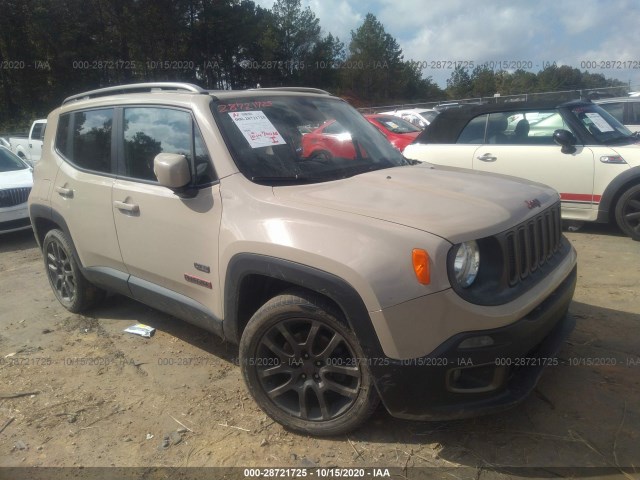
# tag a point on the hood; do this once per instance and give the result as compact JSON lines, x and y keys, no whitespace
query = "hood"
{"x":455,"y":204}
{"x":16,"y":179}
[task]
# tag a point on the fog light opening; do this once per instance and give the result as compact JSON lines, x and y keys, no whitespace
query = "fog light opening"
{"x":478,"y":379}
{"x":477,"y":342}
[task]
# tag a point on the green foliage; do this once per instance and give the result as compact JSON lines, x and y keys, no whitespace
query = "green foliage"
{"x":484,"y":82}
{"x":375,"y":69}
{"x":53,"y":49}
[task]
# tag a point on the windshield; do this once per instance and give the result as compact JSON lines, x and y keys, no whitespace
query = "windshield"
{"x":301,"y":139}
{"x":429,"y":115}
{"x":395,"y":124}
{"x":602,"y":126}
{"x":9,"y":162}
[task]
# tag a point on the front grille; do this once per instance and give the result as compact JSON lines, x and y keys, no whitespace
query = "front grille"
{"x":10,"y":197}
{"x":531,"y":244}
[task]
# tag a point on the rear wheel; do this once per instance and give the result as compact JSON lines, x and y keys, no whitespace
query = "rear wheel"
{"x":628,"y":212}
{"x":304,"y":366}
{"x":70,"y":287}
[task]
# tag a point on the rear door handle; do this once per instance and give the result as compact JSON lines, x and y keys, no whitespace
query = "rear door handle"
{"x":487,"y":157}
{"x":65,"y":192}
{"x":126,"y":207}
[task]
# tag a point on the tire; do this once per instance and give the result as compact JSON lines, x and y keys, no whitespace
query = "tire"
{"x":300,"y":363}
{"x":72,"y":290}
{"x":628,"y":212}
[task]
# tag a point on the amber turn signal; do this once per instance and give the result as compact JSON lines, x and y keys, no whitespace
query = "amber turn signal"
{"x":421,"y":266}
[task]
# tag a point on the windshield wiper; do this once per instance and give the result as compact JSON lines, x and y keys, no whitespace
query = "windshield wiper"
{"x":288,"y":179}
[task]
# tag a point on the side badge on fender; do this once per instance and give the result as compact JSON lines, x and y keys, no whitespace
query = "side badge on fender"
{"x":198,"y":281}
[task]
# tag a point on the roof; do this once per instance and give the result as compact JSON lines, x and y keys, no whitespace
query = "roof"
{"x":446,"y":127}
{"x":175,"y":87}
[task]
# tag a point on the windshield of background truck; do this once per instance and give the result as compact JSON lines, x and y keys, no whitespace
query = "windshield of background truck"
{"x":282,"y":140}
{"x":602,"y":125}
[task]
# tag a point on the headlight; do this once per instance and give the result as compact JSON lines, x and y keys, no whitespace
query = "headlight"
{"x":466,"y":263}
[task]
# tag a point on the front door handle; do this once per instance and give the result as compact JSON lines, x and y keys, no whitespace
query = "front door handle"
{"x":487,"y":157}
{"x":126,"y":207}
{"x":65,"y":192}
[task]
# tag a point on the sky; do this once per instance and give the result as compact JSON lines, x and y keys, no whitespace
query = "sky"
{"x":585,"y":34}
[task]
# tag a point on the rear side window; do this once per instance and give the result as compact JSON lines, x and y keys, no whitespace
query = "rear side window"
{"x":37,"y":133}
{"x":473,"y":133}
{"x":149,"y":131}
{"x":84,"y":139}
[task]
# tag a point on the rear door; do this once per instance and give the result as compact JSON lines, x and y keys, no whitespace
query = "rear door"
{"x":83,"y":184}
{"x":169,"y":242}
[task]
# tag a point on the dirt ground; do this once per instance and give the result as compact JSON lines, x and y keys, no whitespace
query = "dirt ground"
{"x":101,"y":397}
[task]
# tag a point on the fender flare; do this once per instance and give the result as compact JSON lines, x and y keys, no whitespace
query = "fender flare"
{"x":310,"y":278}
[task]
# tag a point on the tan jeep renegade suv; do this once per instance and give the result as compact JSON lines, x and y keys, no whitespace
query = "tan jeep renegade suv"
{"x":345,"y":278}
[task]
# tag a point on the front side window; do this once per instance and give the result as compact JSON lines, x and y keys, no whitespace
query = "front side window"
{"x":149,"y":131}
{"x":298,"y":139}
{"x":84,"y":139}
{"x":534,"y":127}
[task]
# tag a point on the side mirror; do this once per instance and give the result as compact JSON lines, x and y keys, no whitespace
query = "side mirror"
{"x":172,"y":170}
{"x":566,"y":140}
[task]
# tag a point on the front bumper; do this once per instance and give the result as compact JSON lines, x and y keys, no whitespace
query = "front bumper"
{"x":455,"y":382}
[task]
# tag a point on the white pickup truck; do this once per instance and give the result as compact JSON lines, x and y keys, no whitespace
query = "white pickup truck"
{"x":29,"y":147}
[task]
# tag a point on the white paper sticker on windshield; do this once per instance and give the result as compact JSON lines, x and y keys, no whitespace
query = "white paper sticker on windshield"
{"x":600,"y":123}
{"x":257,"y":129}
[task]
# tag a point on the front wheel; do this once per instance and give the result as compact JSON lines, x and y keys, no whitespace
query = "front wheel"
{"x":72,"y":290}
{"x":304,"y":366}
{"x":628,"y":212}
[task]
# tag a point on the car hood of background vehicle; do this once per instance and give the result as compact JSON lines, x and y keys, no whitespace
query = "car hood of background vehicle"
{"x":16,"y":178}
{"x":452,"y":203}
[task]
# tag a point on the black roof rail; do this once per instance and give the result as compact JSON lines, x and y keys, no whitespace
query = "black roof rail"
{"x":136,"y":87}
{"x":294,"y":89}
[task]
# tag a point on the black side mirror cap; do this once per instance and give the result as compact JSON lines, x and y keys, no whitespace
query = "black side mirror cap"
{"x":566,"y":140}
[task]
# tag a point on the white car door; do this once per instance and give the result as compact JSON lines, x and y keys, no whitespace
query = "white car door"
{"x":527,"y":149}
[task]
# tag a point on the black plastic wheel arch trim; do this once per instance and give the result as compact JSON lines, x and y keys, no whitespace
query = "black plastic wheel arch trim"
{"x":310,"y":278}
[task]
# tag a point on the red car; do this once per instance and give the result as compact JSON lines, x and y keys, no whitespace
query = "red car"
{"x":399,"y":132}
{"x":329,"y":140}
{"x":333,"y":140}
